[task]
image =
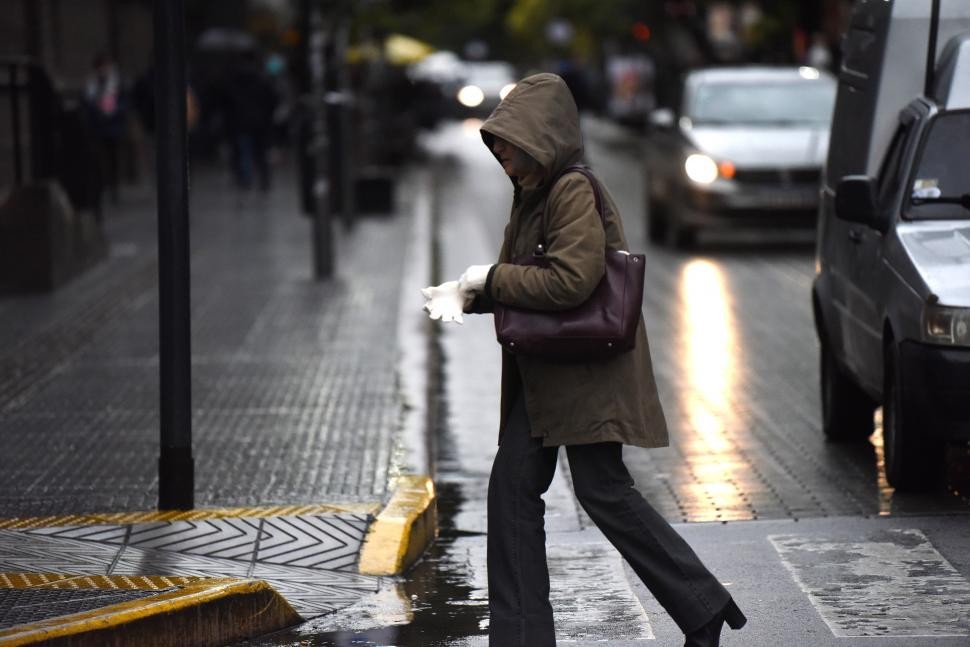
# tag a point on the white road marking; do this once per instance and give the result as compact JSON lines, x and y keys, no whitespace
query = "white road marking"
{"x":591,"y":598}
{"x":893,"y":583}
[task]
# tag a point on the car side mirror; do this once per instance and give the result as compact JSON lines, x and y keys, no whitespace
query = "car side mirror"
{"x":855,"y":201}
{"x":661,"y":118}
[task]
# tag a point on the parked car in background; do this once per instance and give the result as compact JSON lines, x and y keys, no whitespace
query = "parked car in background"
{"x":484,"y":84}
{"x":745,"y":147}
{"x":891,"y":297}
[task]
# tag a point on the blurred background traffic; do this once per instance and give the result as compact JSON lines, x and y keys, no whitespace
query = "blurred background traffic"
{"x":77,"y":79}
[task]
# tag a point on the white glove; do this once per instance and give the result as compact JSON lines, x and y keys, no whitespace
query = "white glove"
{"x":444,"y":302}
{"x":473,"y":280}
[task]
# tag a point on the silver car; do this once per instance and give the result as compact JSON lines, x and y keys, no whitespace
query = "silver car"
{"x":745,"y":148}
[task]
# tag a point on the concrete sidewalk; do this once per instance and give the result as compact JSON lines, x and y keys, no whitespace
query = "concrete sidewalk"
{"x":306,"y":424}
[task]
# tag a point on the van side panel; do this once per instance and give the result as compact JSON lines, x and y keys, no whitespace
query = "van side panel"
{"x":883,"y":70}
{"x":855,"y":103}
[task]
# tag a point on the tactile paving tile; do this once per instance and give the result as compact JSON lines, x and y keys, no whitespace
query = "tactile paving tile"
{"x":224,"y":538}
{"x":22,"y":552}
{"x":310,"y":559}
{"x":23,"y":606}
{"x":312,"y":592}
{"x":324,"y":541}
{"x":142,"y":561}
{"x":332,"y":542}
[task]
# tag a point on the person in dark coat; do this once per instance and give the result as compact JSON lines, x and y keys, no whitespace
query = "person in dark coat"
{"x":106,"y":105}
{"x":592,"y":408}
{"x":248,"y":102}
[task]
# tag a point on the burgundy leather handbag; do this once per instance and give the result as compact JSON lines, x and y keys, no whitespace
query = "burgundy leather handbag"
{"x":602,"y":327}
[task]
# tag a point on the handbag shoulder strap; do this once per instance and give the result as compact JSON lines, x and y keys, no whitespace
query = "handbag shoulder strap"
{"x":597,"y":194}
{"x":582,"y":169}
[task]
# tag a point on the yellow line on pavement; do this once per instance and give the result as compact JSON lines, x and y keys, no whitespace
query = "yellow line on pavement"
{"x":110,"y":582}
{"x":402,"y":530}
{"x":121,"y":518}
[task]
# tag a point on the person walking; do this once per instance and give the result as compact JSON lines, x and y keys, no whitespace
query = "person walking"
{"x":249,"y":100}
{"x":106,"y":104}
{"x":592,"y":408}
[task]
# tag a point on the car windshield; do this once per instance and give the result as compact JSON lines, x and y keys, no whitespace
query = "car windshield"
{"x":765,"y":103}
{"x":490,"y":73}
{"x":942,"y":181}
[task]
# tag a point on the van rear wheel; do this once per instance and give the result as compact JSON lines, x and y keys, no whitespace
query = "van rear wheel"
{"x":911,"y":460}
{"x":846,"y":409}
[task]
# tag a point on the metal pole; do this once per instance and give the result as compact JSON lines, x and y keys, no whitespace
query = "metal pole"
{"x":323,"y":252}
{"x":931,"y":48}
{"x":348,"y":203}
{"x":175,"y":463}
{"x":18,"y":161}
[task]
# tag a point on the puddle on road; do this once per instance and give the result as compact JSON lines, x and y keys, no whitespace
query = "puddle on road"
{"x":446,"y":608}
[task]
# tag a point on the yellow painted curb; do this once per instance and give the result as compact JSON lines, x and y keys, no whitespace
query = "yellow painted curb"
{"x":121,"y":518}
{"x":208,"y":612}
{"x":403,"y":530}
{"x":104,"y":582}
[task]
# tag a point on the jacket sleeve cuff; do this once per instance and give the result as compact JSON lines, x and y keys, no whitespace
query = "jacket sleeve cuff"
{"x":483,"y":303}
{"x":487,"y":292}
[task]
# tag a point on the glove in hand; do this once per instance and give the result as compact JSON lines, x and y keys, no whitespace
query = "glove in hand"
{"x":444,"y":302}
{"x":473,"y":280}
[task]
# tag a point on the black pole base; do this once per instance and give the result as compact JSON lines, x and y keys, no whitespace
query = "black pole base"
{"x":176,"y":479}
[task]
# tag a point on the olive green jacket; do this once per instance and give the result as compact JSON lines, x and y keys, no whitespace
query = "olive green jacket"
{"x":577,"y":402}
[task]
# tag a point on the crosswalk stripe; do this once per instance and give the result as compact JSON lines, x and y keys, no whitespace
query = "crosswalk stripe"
{"x":892,"y":583}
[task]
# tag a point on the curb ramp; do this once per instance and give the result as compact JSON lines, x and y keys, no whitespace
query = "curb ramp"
{"x":191,"y":610}
{"x":205,"y":612}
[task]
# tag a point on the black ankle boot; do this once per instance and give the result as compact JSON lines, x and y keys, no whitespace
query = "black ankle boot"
{"x":710,"y":634}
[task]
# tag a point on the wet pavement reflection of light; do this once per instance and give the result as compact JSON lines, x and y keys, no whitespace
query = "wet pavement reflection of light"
{"x":709,"y":355}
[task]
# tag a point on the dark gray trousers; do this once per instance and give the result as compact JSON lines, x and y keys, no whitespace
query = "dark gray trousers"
{"x":518,"y":580}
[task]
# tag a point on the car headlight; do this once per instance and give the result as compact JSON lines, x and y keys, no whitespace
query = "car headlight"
{"x":943,"y":325}
{"x":505,"y":90}
{"x":700,"y":168}
{"x":471,"y":96}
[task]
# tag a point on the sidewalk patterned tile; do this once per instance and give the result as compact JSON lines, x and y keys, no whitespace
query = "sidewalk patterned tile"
{"x":223,"y":538}
{"x":331,"y":541}
{"x":891,"y":583}
{"x":313,"y":592}
{"x":310,"y":559}
{"x":101,"y":534}
{"x":142,"y":561}
{"x":22,"y":552}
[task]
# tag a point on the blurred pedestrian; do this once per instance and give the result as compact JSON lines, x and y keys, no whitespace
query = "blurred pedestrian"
{"x":143,"y":105}
{"x":106,"y":106}
{"x":249,"y":100}
{"x":592,"y":408}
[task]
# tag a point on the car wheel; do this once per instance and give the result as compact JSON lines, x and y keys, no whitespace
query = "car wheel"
{"x":656,"y":220}
{"x":846,"y":409}
{"x":911,"y":460}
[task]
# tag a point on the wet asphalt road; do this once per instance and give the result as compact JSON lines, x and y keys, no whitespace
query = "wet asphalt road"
{"x":736,"y":358}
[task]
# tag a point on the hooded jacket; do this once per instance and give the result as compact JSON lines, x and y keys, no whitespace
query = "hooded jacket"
{"x":576,"y":402}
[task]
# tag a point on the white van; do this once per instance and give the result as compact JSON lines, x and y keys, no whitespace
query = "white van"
{"x":891,"y":295}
